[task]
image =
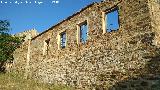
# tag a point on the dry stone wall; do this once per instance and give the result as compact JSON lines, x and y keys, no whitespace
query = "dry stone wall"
{"x":27,"y":34}
{"x":154,"y":6}
{"x":20,"y":58}
{"x":106,"y":60}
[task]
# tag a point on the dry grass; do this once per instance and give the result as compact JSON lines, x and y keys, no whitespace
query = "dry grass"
{"x":12,"y":81}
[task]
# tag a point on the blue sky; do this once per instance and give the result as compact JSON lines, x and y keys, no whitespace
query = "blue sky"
{"x":39,"y":16}
{"x":112,"y":20}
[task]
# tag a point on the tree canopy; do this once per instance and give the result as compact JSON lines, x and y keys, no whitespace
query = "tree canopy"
{"x":8,"y":43}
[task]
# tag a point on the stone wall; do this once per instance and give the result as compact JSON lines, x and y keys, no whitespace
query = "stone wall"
{"x":20,"y":58}
{"x":154,"y":6}
{"x":106,"y":60}
{"x":27,"y":34}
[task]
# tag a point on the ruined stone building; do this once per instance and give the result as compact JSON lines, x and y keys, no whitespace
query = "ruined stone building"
{"x":90,"y":50}
{"x":27,"y":34}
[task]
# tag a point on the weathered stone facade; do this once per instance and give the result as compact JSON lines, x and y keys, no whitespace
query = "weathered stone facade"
{"x":27,"y":34}
{"x":116,"y":60}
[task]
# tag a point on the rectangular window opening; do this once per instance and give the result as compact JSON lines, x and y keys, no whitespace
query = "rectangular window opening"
{"x":63,"y":39}
{"x":83,"y":32}
{"x":112,"y":20}
{"x":46,"y":47}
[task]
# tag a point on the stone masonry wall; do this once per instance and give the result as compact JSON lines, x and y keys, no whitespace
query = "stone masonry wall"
{"x":105,"y":59}
{"x":27,"y":34}
{"x":20,"y":58}
{"x":154,"y":6}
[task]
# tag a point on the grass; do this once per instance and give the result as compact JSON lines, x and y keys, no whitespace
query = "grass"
{"x":13,"y":81}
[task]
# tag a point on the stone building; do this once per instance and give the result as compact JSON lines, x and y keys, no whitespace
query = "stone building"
{"x":27,"y":34}
{"x":89,"y":50}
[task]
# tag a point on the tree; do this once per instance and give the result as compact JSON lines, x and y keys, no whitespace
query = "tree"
{"x":8,"y":44}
